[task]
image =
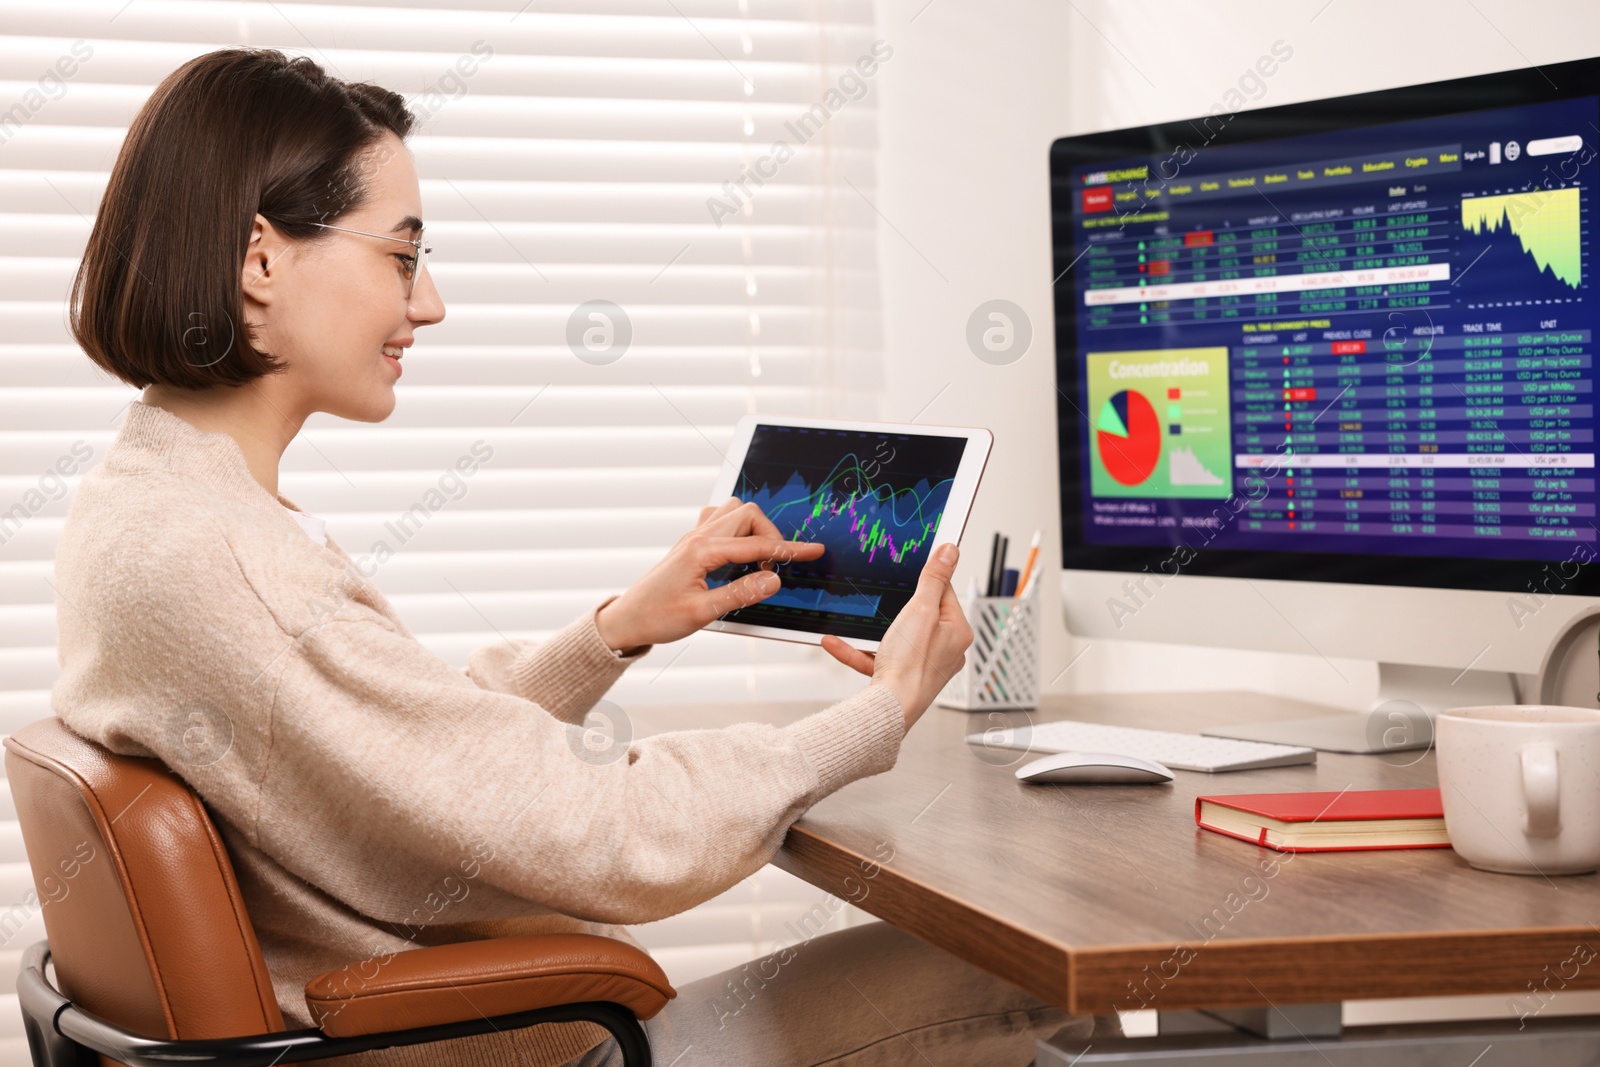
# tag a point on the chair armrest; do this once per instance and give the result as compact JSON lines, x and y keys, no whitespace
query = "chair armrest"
{"x":476,"y":979}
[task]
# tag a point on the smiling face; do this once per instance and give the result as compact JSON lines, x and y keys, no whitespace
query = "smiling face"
{"x":334,"y":305}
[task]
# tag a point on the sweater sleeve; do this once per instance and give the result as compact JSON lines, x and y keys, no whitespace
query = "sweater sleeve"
{"x":564,"y":674}
{"x":341,"y":748}
{"x":388,"y":767}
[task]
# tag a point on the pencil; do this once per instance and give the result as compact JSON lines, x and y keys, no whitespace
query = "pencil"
{"x":1027,"y":567}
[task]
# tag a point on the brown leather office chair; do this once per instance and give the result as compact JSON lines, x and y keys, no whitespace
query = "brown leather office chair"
{"x":158,"y":963}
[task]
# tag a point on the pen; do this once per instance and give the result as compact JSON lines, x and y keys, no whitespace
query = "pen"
{"x":989,"y":580}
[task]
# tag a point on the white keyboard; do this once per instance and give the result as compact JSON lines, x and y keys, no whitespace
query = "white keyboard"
{"x":1183,"y":752}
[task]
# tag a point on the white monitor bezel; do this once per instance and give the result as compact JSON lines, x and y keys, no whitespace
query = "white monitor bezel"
{"x":1487,"y":575}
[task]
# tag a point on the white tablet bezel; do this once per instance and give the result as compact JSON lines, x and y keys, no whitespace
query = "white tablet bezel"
{"x":964,"y":487}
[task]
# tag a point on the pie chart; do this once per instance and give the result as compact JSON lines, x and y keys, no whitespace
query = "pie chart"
{"x":1128,"y":435}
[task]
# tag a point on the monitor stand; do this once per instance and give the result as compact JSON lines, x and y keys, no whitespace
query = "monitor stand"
{"x":1401,"y":719}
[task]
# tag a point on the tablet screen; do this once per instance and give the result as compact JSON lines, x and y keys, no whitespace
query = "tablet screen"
{"x":874,"y":499}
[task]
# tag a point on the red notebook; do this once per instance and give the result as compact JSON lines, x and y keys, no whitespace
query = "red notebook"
{"x":1329,"y":822}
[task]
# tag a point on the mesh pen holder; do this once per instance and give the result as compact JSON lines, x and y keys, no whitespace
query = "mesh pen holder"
{"x":1002,"y":668}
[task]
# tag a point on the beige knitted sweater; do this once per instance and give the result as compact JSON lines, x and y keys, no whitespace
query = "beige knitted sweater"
{"x":373,"y":797}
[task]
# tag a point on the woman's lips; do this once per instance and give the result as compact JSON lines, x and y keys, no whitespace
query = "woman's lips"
{"x":393,"y":351}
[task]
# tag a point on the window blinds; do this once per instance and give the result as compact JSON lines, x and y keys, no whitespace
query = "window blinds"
{"x":697,"y":173}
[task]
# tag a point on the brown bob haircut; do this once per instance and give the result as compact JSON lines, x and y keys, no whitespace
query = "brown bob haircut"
{"x":158,"y":298}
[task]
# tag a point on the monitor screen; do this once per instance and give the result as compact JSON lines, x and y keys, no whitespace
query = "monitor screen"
{"x":1347,"y":340}
{"x":873,"y":499}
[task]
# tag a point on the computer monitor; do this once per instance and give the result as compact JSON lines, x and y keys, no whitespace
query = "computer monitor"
{"x":1326,"y":378}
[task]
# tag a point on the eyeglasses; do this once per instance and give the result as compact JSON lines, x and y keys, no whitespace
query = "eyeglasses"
{"x":411,"y":265}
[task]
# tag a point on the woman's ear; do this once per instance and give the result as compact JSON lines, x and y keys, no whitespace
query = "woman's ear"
{"x":263,"y":261}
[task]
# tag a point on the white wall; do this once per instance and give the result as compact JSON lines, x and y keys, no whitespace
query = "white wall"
{"x":971,"y":100}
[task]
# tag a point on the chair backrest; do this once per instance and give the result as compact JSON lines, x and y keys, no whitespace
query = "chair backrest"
{"x":147,"y":928}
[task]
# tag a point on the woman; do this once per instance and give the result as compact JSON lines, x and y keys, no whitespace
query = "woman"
{"x":258,"y":256}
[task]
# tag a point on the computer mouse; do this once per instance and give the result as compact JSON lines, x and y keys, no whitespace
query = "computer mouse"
{"x":1092,"y":767}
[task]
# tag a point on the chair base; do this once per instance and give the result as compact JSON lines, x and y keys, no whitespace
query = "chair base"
{"x":63,"y":1035}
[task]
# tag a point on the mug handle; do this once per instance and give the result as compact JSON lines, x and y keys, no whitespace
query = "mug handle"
{"x":1541,"y":788}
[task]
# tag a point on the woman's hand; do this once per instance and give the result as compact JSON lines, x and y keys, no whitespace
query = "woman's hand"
{"x":672,"y":600}
{"x":925,"y":645}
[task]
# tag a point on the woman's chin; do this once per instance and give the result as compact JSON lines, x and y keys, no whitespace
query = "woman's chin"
{"x":373,"y":408}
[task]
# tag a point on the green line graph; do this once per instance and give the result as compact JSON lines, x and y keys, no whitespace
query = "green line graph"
{"x":1545,"y":221}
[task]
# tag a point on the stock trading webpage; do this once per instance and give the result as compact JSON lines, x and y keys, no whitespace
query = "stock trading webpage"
{"x":1377,"y":340}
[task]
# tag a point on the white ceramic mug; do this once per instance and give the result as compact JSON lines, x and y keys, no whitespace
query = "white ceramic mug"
{"x":1521,"y":787}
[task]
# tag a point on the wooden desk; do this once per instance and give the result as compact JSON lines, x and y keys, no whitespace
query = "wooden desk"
{"x":1086,"y":895}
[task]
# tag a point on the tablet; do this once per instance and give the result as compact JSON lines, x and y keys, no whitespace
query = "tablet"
{"x":880,"y":495}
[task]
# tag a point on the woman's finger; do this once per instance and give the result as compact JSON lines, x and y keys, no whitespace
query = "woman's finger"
{"x":714,"y":511}
{"x":760,"y":525}
{"x":742,"y":520}
{"x":849,"y":655}
{"x":751,"y":589}
{"x":950,"y":603}
{"x":720,"y":550}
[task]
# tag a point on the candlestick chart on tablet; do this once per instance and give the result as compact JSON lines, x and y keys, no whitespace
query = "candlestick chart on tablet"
{"x":874,"y":500}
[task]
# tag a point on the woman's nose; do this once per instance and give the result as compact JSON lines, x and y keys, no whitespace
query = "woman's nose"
{"x":426,"y":307}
